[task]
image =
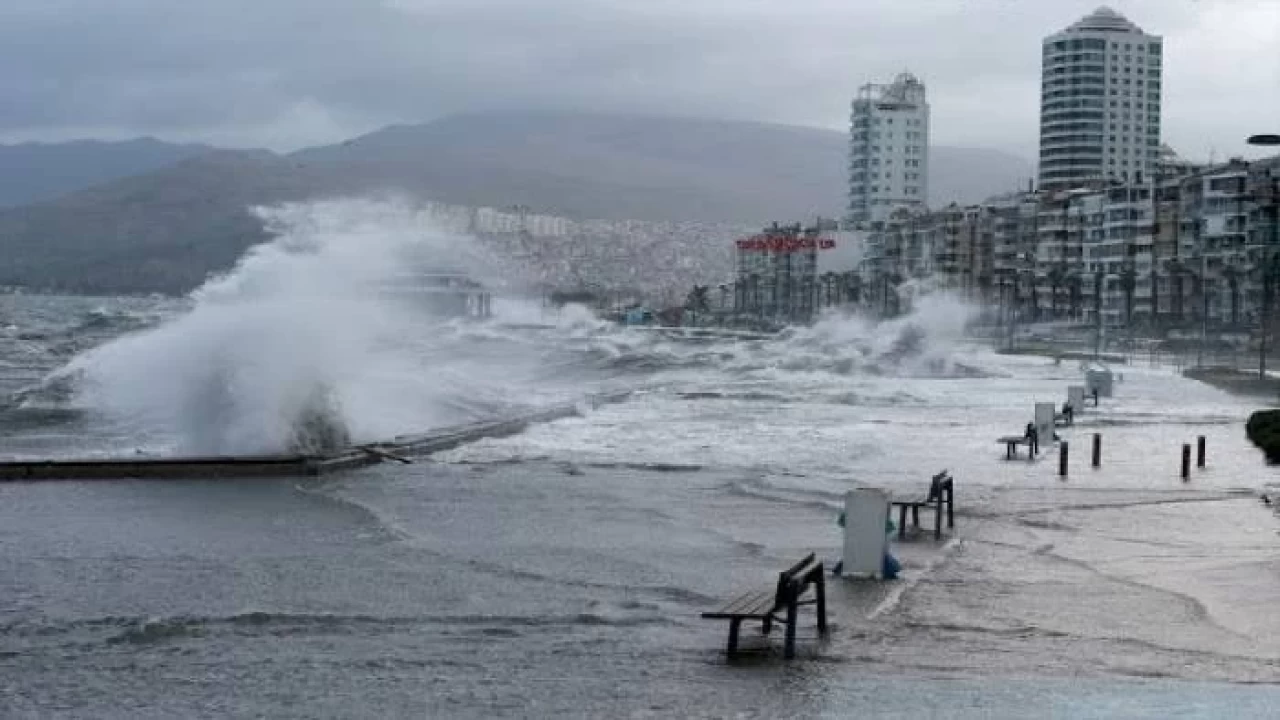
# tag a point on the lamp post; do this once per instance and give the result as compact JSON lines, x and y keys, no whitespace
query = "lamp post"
{"x":1271,"y":263}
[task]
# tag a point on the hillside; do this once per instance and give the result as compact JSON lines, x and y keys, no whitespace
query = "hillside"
{"x":164,"y":231}
{"x":167,"y":229}
{"x":32,"y":172}
{"x":652,"y":168}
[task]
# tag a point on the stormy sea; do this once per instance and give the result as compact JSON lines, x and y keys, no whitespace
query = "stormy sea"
{"x":562,"y":571}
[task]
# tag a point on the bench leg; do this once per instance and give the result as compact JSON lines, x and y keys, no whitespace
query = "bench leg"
{"x":766,"y":626}
{"x":733,"y":635}
{"x":915,"y":516}
{"x":902,"y":522}
{"x":789,"y":649}
{"x":951,"y":509}
{"x":937,"y":519}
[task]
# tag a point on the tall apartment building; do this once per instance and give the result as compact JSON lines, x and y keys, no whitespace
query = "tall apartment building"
{"x":888,"y":151}
{"x":1100,"y":102}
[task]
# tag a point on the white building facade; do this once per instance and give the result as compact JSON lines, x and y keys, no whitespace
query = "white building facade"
{"x":1100,"y":102}
{"x":888,"y":150}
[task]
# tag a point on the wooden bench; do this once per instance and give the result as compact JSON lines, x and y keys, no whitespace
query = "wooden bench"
{"x":763,"y":604}
{"x":1011,"y":443}
{"x":941,"y":491}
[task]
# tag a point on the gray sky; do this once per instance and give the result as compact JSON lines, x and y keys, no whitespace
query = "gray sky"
{"x":289,"y":73}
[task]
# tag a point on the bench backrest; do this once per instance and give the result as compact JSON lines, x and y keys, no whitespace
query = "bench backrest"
{"x":939,"y":482}
{"x":793,"y":581}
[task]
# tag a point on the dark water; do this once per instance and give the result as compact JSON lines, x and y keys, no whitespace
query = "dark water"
{"x":561,"y":572}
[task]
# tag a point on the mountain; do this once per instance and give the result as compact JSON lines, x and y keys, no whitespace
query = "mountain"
{"x":32,"y":172}
{"x":165,"y":230}
{"x":614,"y":166}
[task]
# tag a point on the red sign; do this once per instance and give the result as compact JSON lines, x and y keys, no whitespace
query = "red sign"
{"x":784,"y":244}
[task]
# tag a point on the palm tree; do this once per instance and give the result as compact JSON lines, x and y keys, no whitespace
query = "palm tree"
{"x":984,"y":288}
{"x":1155,"y":298}
{"x":1177,"y":269}
{"x":1034,"y":298}
{"x":1074,"y":284}
{"x":1128,"y":281}
{"x":891,"y":290}
{"x":827,"y":280}
{"x":1097,"y":296}
{"x":698,"y":301}
{"x":1232,"y":275}
{"x":1057,"y":274}
{"x":854,"y":286}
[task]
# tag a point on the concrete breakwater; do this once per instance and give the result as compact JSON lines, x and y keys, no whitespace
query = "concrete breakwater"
{"x":288,"y":465}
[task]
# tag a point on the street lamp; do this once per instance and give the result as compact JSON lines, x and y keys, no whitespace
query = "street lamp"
{"x":1271,"y":267}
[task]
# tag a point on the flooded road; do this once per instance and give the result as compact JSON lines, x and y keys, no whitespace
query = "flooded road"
{"x":561,"y":572}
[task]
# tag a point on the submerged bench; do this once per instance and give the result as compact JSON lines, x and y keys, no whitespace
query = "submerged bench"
{"x":762,"y":604}
{"x":941,"y":491}
{"x":1011,"y":443}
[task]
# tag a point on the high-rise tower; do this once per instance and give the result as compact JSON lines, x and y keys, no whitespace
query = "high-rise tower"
{"x":888,"y":150}
{"x":1099,"y":102}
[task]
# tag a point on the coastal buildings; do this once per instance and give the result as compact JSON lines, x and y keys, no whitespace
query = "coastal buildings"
{"x":1099,"y":102}
{"x":1119,"y":232}
{"x":888,"y":150}
{"x":1200,"y":247}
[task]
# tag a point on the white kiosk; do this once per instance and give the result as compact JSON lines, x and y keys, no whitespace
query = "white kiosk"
{"x":865,"y":541}
{"x":1045,"y":413}
{"x":1099,"y":378}
{"x":1075,"y":397}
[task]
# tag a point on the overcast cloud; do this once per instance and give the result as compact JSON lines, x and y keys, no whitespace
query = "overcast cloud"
{"x":290,"y":73}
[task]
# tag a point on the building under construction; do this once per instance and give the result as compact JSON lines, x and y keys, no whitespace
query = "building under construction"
{"x":777,"y":275}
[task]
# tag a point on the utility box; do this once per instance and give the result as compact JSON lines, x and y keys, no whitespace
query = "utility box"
{"x":865,"y":542}
{"x":1045,"y":414}
{"x":1075,"y":397}
{"x":1099,"y":378}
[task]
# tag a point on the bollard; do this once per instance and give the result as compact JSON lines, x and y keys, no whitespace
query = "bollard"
{"x":1200,"y":451}
{"x":1186,"y":461}
{"x":1063,"y":449}
{"x":1097,"y":449}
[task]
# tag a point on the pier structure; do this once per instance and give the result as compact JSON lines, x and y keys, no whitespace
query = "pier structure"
{"x":401,"y":449}
{"x":443,"y":292}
